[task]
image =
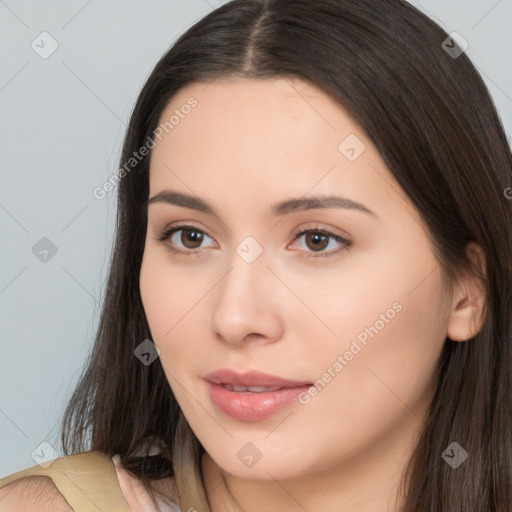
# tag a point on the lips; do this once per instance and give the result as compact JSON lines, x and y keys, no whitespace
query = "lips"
{"x":252,"y":379}
{"x":252,"y":396}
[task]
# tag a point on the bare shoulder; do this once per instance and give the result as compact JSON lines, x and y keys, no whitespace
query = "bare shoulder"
{"x":32,"y":494}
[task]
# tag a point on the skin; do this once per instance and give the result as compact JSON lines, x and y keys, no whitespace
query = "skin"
{"x":247,"y":145}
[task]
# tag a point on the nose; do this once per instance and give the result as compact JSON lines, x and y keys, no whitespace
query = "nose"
{"x":248,"y":304}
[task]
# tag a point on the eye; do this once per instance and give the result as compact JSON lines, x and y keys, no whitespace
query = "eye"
{"x":318,"y":239}
{"x":190,"y":238}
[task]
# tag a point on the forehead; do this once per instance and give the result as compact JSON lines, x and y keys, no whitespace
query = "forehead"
{"x":250,"y":122}
{"x":221,"y":93}
{"x":251,"y":117}
{"x":264,"y":139}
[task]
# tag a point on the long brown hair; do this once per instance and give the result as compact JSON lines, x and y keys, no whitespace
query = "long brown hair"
{"x":431,"y":118}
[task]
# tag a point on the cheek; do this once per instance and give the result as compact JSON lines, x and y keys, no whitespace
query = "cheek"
{"x":389,"y":352}
{"x":167,"y":293}
{"x":174,"y":299}
{"x":390,"y":319}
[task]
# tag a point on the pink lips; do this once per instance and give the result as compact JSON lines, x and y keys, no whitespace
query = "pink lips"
{"x":252,"y":405}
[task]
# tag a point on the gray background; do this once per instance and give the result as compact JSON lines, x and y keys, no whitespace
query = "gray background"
{"x":62,"y":122}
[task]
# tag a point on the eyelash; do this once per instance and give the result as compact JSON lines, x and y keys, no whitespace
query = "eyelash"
{"x":165,"y":235}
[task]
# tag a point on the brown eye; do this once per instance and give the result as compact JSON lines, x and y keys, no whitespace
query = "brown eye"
{"x":190,"y":237}
{"x":316,"y":241}
{"x":184,"y":239}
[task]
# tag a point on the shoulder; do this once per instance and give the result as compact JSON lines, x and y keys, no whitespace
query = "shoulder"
{"x":50,"y":488}
{"x":108,"y":485}
{"x":33,"y":493}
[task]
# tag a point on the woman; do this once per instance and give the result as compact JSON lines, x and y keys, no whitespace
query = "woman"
{"x":308,"y":306}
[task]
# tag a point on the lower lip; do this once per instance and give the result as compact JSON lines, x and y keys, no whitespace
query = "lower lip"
{"x":248,"y":406}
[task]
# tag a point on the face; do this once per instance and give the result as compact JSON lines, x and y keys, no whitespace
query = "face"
{"x":347,"y":300}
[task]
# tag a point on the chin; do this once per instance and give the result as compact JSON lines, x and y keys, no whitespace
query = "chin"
{"x":260,"y":460}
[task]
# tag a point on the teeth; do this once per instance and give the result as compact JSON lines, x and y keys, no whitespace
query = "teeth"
{"x":252,"y":389}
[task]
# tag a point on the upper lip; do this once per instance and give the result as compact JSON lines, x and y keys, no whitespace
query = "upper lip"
{"x":251,"y":378}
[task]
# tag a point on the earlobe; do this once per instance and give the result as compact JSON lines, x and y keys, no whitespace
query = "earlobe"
{"x":469,"y":299}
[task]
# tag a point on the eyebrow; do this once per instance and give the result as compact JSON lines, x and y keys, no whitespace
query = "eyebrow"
{"x":279,"y":209}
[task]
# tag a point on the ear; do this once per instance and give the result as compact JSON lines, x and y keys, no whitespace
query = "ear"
{"x":469,"y":298}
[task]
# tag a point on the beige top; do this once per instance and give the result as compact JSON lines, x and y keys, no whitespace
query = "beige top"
{"x":90,"y":481}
